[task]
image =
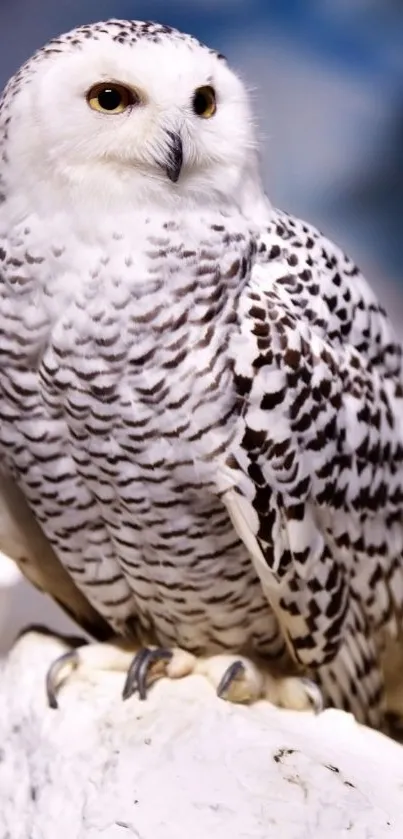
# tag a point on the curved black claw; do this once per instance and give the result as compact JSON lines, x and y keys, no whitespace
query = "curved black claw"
{"x":53,"y":682}
{"x":315,"y":695}
{"x":236,"y":669}
{"x":139,"y":675}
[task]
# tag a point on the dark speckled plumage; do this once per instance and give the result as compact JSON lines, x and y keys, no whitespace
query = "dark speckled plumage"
{"x":204,"y":412}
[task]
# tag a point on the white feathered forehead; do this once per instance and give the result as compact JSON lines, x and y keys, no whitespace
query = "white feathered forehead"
{"x":128,"y":32}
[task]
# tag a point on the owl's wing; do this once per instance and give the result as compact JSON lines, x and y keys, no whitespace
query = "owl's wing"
{"x":317,"y":473}
{"x":22,"y":539}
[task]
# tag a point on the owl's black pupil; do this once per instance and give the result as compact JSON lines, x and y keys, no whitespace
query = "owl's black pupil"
{"x":201,"y":103}
{"x":109,"y":98}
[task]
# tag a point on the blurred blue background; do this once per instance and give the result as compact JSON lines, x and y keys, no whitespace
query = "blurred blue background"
{"x":327,"y":81}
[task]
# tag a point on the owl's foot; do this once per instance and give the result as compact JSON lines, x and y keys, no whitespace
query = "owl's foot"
{"x":143,"y":666}
{"x":151,"y":664}
{"x":235,"y":678}
{"x":238,"y":679}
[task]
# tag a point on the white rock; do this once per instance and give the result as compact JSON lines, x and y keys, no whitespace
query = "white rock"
{"x":9,"y":572}
{"x":183,"y":764}
{"x":10,"y":576}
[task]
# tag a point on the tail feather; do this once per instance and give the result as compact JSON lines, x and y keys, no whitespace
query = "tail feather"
{"x":354,"y":681}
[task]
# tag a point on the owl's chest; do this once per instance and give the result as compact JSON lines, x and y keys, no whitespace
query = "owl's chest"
{"x":125,"y":344}
{"x":157,"y":406}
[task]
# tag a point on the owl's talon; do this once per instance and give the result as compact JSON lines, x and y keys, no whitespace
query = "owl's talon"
{"x":53,"y":680}
{"x":145,"y":664}
{"x":314,"y":694}
{"x":233,"y":672}
{"x":235,"y":678}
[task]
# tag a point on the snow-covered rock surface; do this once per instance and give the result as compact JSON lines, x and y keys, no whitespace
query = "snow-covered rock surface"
{"x":183,"y":764}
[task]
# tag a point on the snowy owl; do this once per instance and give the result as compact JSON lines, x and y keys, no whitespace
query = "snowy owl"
{"x":201,"y":400}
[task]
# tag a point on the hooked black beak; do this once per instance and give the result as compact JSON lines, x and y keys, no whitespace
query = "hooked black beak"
{"x":173,"y":162}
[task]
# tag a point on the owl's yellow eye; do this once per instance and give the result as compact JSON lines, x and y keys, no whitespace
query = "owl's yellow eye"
{"x":111,"y":98}
{"x":204,"y":102}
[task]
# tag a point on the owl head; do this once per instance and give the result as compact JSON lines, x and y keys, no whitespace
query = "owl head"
{"x":125,"y":113}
